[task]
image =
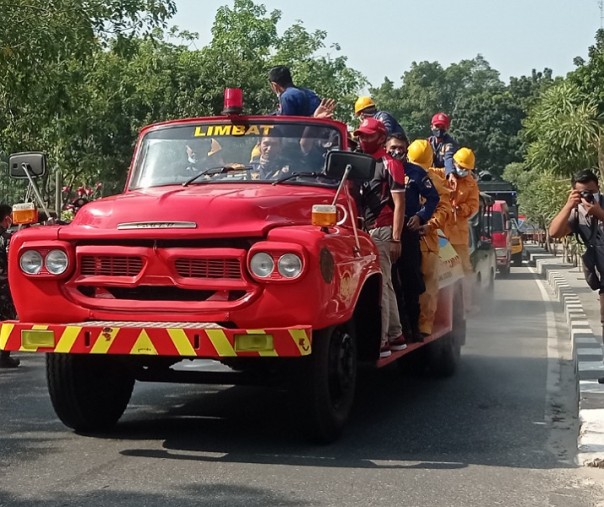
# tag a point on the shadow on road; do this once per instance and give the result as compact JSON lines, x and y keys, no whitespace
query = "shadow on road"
{"x":194,"y":495}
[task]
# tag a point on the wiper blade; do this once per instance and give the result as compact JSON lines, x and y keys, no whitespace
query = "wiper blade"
{"x":221,"y":169}
{"x":296,"y":174}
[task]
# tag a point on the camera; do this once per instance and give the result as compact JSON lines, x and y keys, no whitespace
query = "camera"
{"x":588,"y":196}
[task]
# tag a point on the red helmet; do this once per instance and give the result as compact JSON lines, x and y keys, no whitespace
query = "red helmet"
{"x":441,"y":119}
{"x":371,"y":126}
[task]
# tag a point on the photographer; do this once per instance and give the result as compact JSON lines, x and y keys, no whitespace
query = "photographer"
{"x":583,"y":215}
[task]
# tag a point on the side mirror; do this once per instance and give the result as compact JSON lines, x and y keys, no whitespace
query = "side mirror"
{"x":34,"y":161}
{"x":362,"y":165}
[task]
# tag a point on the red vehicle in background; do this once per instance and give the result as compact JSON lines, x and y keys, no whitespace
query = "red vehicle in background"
{"x":501,"y":236}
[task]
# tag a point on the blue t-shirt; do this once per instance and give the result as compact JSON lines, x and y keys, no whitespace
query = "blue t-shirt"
{"x":298,"y":102}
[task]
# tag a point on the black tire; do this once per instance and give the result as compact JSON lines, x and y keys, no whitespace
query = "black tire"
{"x":444,"y":354}
{"x":325,"y":383}
{"x":517,"y":259}
{"x":88,"y":393}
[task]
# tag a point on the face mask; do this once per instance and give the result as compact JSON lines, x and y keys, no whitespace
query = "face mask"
{"x":462,"y":173}
{"x":397,"y":154}
{"x":370,"y":146}
{"x":438,"y":132}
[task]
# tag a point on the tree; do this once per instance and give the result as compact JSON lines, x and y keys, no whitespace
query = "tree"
{"x":589,"y":77}
{"x":486,"y":115}
{"x":563,"y":130}
{"x":46,"y":51}
{"x":121,"y":73}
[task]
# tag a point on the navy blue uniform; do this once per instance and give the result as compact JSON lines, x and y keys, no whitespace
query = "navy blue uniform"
{"x":407,"y":275}
{"x":444,"y":148}
{"x":392,"y":126}
{"x":418,"y":184}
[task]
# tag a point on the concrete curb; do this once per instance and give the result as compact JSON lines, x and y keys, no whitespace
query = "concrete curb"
{"x":587,"y":355}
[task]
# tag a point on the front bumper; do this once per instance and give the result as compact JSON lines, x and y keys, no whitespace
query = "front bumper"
{"x":175,"y":339}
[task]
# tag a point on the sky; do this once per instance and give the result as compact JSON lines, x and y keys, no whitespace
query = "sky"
{"x":381,"y":38}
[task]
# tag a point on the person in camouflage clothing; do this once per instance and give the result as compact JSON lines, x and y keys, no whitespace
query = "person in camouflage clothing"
{"x":7,"y":308}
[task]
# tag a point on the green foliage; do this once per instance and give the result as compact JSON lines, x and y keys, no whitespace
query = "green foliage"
{"x":486,"y":115}
{"x":589,"y":75}
{"x":108,"y":69}
{"x":543,"y":197}
{"x":79,"y":80}
{"x":563,"y":130}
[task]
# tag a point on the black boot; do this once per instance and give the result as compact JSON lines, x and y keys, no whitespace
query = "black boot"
{"x":8,"y":362}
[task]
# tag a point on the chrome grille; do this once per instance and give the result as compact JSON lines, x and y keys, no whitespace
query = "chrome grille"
{"x":208,"y":268}
{"x":108,"y":265}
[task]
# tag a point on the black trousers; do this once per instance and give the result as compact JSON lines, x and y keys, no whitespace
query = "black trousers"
{"x":408,"y":281}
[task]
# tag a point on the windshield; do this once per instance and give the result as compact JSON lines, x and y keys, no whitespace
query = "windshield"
{"x":225,"y":151}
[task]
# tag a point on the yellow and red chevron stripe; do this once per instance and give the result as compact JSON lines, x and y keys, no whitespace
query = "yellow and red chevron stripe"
{"x":155,"y":338}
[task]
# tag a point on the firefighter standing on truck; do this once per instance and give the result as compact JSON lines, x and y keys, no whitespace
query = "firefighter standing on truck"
{"x":464,"y":204}
{"x":384,"y":199}
{"x":365,"y":107}
{"x":420,"y":153}
{"x":443,"y":145}
{"x":293,"y":100}
{"x":7,"y":308}
{"x":421,"y":199}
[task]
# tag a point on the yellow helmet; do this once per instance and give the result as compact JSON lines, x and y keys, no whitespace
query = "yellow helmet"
{"x":420,"y":153}
{"x":464,"y":157}
{"x":363,"y":103}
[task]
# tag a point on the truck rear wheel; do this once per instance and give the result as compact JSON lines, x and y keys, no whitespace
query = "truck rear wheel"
{"x":88,"y":393}
{"x":517,"y":259}
{"x":444,"y":354}
{"x":325,"y":384}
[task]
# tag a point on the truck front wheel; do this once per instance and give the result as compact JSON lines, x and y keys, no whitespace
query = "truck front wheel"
{"x":326,"y":382}
{"x":88,"y":393}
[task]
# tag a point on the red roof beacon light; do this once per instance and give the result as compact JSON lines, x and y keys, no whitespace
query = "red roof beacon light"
{"x":233,"y":101}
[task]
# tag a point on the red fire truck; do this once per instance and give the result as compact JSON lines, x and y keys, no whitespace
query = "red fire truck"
{"x":501,"y":236}
{"x":216,"y":250}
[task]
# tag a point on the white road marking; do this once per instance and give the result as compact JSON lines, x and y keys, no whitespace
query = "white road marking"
{"x":553,"y":353}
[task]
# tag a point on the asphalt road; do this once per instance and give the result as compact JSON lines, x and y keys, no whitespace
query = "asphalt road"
{"x":500,"y":432}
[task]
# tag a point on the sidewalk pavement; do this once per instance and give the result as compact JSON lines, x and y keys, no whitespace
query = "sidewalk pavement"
{"x":582,"y":311}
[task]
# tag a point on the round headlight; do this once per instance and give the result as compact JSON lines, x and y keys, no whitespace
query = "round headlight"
{"x":31,"y":262}
{"x":56,"y":262}
{"x":290,"y":265}
{"x":262,"y":265}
